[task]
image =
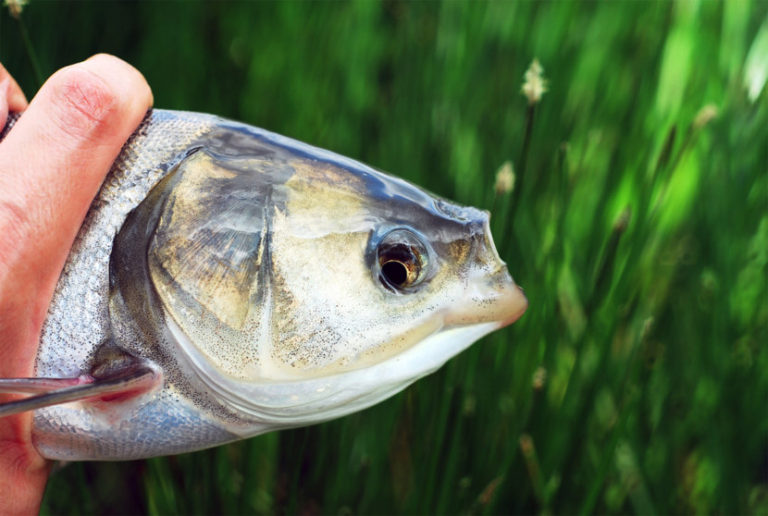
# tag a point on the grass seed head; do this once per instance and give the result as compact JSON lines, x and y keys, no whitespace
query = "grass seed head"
{"x":705,"y":116}
{"x":15,"y":7}
{"x":535,"y":85}
{"x":505,"y":179}
{"x":539,"y":378}
{"x":622,"y":221}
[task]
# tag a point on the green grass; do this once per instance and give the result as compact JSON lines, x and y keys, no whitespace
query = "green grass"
{"x":637,"y":382}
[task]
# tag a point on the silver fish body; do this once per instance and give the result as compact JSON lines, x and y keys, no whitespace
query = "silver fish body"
{"x":266,"y":283}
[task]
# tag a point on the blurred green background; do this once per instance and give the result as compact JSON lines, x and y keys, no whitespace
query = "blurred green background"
{"x":637,"y":382}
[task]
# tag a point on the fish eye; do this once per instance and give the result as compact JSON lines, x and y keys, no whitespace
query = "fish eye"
{"x":402,"y":260}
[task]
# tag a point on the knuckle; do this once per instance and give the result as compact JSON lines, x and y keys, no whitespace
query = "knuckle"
{"x":83,"y":100}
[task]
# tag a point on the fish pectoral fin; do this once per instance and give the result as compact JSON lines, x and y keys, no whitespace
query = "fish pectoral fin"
{"x":117,"y":385}
{"x":38,"y":385}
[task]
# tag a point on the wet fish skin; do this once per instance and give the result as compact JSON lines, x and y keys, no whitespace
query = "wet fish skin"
{"x":241,"y":348}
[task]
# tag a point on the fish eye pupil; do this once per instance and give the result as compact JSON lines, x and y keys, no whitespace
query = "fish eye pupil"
{"x":396,"y":273}
{"x":403,"y":261}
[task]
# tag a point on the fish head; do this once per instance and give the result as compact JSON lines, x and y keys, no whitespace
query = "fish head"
{"x":367,"y":267}
{"x":293,"y":286}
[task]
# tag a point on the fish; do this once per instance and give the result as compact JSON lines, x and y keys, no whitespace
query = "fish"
{"x":228,"y":281}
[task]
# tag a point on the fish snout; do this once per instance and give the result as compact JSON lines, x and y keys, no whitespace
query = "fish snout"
{"x":491,"y":299}
{"x":491,"y":294}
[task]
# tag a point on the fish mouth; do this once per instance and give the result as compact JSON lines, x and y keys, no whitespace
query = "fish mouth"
{"x":495,"y":301}
{"x":520,"y":304}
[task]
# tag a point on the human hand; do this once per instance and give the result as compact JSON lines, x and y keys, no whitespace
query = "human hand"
{"x":52,"y":163}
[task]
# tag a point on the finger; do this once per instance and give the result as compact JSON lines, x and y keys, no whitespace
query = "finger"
{"x":51,"y":165}
{"x":11,"y":96}
{"x":16,"y":99}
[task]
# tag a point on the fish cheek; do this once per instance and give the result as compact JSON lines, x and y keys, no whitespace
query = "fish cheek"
{"x":331,"y":314}
{"x":319,"y":287}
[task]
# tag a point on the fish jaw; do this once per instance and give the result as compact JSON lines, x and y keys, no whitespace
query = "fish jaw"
{"x":283,"y":404}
